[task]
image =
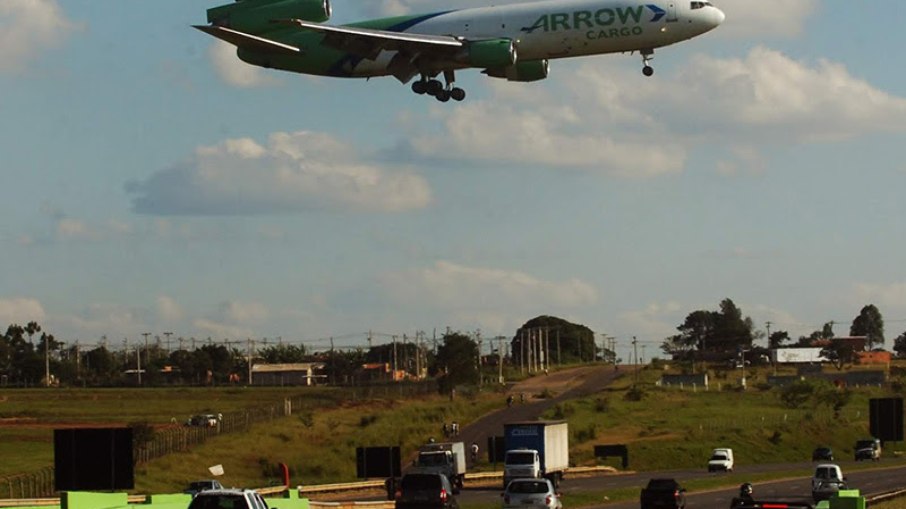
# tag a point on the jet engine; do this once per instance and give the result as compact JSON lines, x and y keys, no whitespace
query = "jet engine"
{"x":490,"y":53}
{"x":528,"y":70}
{"x":257,"y":16}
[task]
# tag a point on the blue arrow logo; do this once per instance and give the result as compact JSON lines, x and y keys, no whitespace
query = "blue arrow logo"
{"x":658,"y":12}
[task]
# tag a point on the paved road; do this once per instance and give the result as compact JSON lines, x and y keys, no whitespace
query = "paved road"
{"x":878,"y":480}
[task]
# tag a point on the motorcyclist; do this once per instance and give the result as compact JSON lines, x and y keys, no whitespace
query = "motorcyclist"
{"x":744,"y":497}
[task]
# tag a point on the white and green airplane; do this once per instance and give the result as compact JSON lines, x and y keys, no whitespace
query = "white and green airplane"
{"x":513,"y":41}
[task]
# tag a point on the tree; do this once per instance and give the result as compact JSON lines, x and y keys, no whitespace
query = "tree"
{"x":870,"y":324}
{"x":721,"y":331}
{"x":283,"y":354}
{"x":826,"y":332}
{"x":839,"y":352}
{"x":899,"y":345}
{"x":456,"y":359}
{"x":777,"y":338}
{"x":564,"y":341}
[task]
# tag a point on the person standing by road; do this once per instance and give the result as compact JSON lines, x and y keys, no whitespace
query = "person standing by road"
{"x":474,"y":449}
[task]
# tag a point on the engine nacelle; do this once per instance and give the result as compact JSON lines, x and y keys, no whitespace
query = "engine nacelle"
{"x":490,"y":53}
{"x":256,"y":16}
{"x":528,"y":70}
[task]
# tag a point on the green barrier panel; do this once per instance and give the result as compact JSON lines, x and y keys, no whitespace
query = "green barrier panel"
{"x":289,"y":500}
{"x":92,"y":500}
{"x":847,"y":499}
{"x":167,"y":501}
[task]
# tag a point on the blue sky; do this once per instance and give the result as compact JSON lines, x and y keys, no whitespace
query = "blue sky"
{"x":155,"y":183}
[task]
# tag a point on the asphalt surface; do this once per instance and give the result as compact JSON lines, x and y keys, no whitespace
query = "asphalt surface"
{"x":563,"y":385}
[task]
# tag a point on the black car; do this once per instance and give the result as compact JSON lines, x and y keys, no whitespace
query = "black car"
{"x":823,"y":454}
{"x":425,"y":491}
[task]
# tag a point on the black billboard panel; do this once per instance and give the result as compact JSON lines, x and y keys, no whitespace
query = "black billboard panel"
{"x":92,"y":459}
{"x":377,"y":462}
{"x":886,"y":419}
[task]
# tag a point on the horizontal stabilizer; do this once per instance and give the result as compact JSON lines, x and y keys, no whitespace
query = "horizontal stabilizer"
{"x":248,"y":41}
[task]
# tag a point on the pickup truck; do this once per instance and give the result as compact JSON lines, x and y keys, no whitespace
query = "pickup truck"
{"x":663,"y":493}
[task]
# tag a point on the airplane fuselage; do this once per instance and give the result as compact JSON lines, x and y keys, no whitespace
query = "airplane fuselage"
{"x":548,"y":29}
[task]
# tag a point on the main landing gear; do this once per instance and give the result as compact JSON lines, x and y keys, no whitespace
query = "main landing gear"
{"x":647,"y":55}
{"x":437,"y":89}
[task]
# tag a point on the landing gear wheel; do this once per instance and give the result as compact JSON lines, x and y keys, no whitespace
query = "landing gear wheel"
{"x":420,"y":87}
{"x":647,"y":70}
{"x":435,"y":87}
{"x":457,"y":94}
{"x":442,"y":96}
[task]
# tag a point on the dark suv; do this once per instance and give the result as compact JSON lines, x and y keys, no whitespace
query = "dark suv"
{"x":425,"y":491}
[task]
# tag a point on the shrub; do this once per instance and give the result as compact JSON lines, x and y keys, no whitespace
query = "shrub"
{"x":635,"y":393}
{"x":602,"y":405}
{"x":367,"y":420}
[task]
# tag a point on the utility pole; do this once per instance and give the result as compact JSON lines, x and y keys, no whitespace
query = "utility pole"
{"x":635,"y":351}
{"x":168,"y":334}
{"x":500,"y":360}
{"x":146,"y":334}
{"x":558,"y":346}
{"x":46,"y":337}
{"x":394,"y":357}
{"x":478,"y":365}
{"x":249,"y":357}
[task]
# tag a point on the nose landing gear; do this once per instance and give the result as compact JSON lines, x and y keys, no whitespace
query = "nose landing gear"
{"x":647,"y":55}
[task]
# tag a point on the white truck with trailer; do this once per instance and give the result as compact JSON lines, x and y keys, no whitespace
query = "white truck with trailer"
{"x":448,"y":458}
{"x":535,"y":449}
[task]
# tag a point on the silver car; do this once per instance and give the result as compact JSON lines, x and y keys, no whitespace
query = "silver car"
{"x":531,"y":493}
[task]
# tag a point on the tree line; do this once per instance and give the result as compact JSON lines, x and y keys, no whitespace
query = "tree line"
{"x":725,"y":332}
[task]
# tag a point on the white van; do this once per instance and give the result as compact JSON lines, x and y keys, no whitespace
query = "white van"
{"x":721,"y":460}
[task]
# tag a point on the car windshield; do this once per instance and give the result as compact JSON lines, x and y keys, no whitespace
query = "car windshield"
{"x":865,"y":444}
{"x":826,"y":473}
{"x":528,"y":487}
{"x":520,"y":458}
{"x":432,"y":459}
{"x":719,"y":457}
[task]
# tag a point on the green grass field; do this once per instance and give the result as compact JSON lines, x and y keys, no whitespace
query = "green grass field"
{"x":664,"y":428}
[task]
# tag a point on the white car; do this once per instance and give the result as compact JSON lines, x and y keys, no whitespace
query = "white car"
{"x":827,"y":481}
{"x":721,"y":460}
{"x":531,"y":493}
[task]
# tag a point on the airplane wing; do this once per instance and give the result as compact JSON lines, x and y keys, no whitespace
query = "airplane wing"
{"x":244,"y":40}
{"x":369,"y":42}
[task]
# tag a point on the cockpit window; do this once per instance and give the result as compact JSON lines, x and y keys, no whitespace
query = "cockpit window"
{"x":699,"y":5}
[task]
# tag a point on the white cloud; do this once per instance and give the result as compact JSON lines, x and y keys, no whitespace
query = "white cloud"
{"x":69,"y":228}
{"x":243,"y":312}
{"x":550,"y":133}
{"x":28,"y":27}
{"x":765,"y":18}
{"x":480,"y":290}
{"x":20,"y":310}
{"x":765,"y":97}
{"x":655,"y":322}
{"x":220,"y":330}
{"x":235,"y":71}
{"x":889,"y":298}
{"x":168,"y":309}
{"x":293,"y":172}
{"x":613,"y":121}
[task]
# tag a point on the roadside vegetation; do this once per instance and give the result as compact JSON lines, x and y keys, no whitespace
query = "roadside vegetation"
{"x":667,"y":428}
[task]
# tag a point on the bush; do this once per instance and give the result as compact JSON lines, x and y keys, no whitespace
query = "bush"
{"x":635,"y":393}
{"x":367,"y":420}
{"x":602,"y":405}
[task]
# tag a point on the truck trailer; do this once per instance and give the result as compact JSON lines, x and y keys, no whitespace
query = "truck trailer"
{"x":536,"y":449}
